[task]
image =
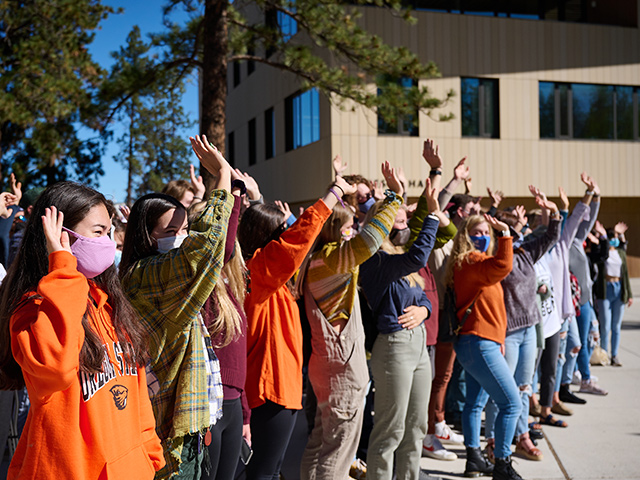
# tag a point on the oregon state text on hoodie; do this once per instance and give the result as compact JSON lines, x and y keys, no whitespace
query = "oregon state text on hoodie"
{"x":80,"y":426}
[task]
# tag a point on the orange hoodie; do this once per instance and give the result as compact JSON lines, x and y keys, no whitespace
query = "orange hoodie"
{"x":79,"y":426}
{"x":274,"y":332}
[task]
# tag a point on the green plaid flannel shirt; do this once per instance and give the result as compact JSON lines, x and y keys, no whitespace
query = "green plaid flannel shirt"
{"x":168,"y":291}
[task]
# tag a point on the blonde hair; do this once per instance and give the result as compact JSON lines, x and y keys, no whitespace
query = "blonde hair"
{"x":228,"y":320}
{"x":332,"y":228}
{"x":463,"y":246}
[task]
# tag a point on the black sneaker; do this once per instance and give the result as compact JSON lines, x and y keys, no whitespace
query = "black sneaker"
{"x":567,"y":396}
{"x":504,"y":471}
{"x":477,"y":464}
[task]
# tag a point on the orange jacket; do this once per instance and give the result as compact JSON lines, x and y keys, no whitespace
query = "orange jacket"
{"x":482,"y":273}
{"x":274,"y":332}
{"x":79,"y":426}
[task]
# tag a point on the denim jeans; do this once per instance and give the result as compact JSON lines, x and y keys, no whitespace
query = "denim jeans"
{"x":520,"y":354}
{"x":488,"y":374}
{"x":584,"y":327}
{"x":573,"y":340}
{"x":611,"y":310}
{"x":562,"y":356}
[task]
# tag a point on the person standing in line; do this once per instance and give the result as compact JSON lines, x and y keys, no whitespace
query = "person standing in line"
{"x":168,"y":273}
{"x":69,"y":334}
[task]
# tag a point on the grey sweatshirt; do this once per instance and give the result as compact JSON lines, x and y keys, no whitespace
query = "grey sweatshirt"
{"x":520,"y":286}
{"x":578,"y":261}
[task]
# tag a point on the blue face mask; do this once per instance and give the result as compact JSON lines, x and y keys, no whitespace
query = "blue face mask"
{"x":365,"y":206}
{"x":481,"y":242}
{"x":614,"y":242}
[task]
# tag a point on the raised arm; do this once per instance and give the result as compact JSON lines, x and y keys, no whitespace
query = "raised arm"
{"x":593,"y":200}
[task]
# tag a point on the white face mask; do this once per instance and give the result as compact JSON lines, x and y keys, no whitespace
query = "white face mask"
{"x":169,"y":243}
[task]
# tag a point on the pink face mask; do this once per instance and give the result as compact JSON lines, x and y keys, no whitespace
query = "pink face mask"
{"x":94,"y":255}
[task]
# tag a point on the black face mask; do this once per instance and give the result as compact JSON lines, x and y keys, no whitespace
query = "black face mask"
{"x":399,"y":237}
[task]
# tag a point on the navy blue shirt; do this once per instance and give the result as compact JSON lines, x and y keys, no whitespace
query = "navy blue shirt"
{"x":383,"y":283}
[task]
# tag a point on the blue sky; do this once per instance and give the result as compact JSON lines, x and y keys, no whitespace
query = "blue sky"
{"x":147,"y":14}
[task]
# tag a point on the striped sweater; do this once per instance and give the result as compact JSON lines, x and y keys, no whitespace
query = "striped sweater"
{"x":333,"y":270}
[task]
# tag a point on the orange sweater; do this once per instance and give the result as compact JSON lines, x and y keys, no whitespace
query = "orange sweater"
{"x":80,"y":426}
{"x":274,"y":332}
{"x":480,"y":272}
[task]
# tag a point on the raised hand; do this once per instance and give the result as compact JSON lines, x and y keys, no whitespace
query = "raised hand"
{"x":391,"y":178}
{"x":378,"y":190}
{"x":521,"y":214}
{"x":198,"y":184}
{"x":125,"y":211}
{"x":253,"y":189}
{"x":620,"y":228}
{"x":432,"y":198}
{"x":209,"y":155}
{"x":338,"y":166}
{"x":6,"y":200}
{"x":284,"y":208}
{"x":599,"y":228}
{"x":467,"y":185}
{"x":461,"y":171}
{"x":16,"y":188}
{"x":496,"y":197}
{"x":536,"y":192}
{"x":431,"y":155}
{"x":57,"y":239}
{"x":496,"y":224}
{"x":345,"y":186}
{"x":591,"y":184}
{"x":564,"y":199}
{"x":543,"y":202}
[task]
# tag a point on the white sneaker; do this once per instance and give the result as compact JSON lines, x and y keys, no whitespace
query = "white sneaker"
{"x":446,"y":435}
{"x":432,"y":448}
{"x":590,"y":386}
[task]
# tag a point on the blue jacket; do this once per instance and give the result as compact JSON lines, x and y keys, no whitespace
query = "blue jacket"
{"x":382,"y":279}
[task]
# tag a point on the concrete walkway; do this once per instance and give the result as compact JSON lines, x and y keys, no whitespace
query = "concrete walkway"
{"x":603,"y":437}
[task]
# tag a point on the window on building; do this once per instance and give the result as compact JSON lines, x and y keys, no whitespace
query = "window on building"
{"x":612,"y":12}
{"x":288,"y":26}
{"x":588,"y":112}
{"x":269,"y":134}
{"x":302,"y":119}
{"x":480,"y":111}
{"x":231,"y":149}
{"x":252,"y":141}
{"x":405,"y":124}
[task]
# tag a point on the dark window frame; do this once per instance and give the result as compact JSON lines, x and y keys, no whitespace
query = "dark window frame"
{"x":292,"y":121}
{"x":482,"y":107}
{"x":269,"y":134}
{"x":559,"y":135}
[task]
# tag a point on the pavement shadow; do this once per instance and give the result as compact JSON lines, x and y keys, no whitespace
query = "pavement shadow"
{"x":630,"y":325}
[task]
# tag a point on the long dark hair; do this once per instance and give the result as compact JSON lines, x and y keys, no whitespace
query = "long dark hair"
{"x":144,"y":216}
{"x":259,"y":225}
{"x":32,"y":263}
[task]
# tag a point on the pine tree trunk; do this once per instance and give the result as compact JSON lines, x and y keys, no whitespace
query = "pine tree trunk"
{"x":214,"y":77}
{"x":130,"y":173}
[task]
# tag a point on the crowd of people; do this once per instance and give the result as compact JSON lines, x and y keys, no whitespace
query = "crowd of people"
{"x":179,"y":338}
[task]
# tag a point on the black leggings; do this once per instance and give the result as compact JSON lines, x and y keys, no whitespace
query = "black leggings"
{"x":226,"y":441}
{"x":271,"y":429}
{"x":548,"y":365}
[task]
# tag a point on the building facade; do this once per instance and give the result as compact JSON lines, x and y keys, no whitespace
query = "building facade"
{"x":542,"y":94}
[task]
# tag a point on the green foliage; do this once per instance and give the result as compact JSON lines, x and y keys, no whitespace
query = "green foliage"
{"x":332,"y":51}
{"x":49,"y":127}
{"x":152,"y":147}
